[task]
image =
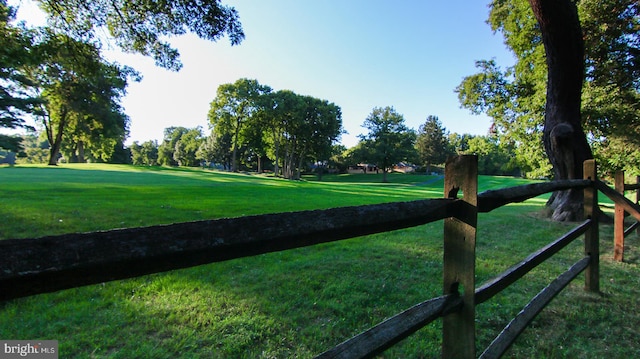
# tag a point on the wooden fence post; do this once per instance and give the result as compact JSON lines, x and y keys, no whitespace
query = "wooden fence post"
{"x":591,"y":236}
{"x":638,"y":201}
{"x":458,"y":333}
{"x":618,"y":220}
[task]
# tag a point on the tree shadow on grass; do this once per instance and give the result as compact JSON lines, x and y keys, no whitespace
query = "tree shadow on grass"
{"x":300,"y":302}
{"x":295,"y":303}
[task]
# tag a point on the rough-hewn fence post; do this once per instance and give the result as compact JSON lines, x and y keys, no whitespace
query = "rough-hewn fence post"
{"x":618,"y":220}
{"x":591,"y":236}
{"x":458,"y":333}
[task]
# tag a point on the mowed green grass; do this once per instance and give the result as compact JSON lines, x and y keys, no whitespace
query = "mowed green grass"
{"x":302,"y":302}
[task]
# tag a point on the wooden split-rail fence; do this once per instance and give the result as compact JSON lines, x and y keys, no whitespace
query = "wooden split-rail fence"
{"x":47,"y":264}
{"x":619,"y":232}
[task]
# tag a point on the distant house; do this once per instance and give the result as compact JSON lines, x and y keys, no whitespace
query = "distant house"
{"x":362,"y":168}
{"x":404,"y":167}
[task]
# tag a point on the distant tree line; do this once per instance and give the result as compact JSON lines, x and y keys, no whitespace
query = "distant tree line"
{"x":389,"y":142}
{"x":254,"y":127}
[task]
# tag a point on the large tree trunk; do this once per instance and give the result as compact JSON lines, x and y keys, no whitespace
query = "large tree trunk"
{"x":259,"y":169}
{"x":80,"y":152}
{"x":55,"y":140}
{"x":234,"y":151}
{"x":564,"y":139}
{"x":276,"y":145}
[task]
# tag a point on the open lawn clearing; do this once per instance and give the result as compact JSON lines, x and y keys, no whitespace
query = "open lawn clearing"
{"x":41,"y":200}
{"x":299,"y":302}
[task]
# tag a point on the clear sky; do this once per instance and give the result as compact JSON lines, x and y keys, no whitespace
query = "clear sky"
{"x":358,"y":54}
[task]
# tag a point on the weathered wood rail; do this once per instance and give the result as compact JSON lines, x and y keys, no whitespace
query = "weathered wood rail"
{"x":40,"y":265}
{"x":32,"y":266}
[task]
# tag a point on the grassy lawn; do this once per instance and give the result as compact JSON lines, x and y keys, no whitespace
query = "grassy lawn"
{"x":301,"y":302}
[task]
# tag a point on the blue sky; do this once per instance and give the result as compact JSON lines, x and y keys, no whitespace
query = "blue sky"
{"x":358,"y":54}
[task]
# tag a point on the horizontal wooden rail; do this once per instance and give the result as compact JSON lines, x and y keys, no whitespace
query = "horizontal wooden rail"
{"x":490,"y":200}
{"x":32,"y":266}
{"x":632,"y":208}
{"x":494,"y":286}
{"x":631,"y":187}
{"x":631,"y":228}
{"x":511,"y":332}
{"x":384,"y":335}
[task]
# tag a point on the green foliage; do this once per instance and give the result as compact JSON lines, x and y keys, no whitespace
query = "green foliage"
{"x":65,"y":83}
{"x":515,"y":97}
{"x":16,"y":100}
{"x":141,"y":26}
{"x":179,"y":147}
{"x":216,"y":149}
{"x":458,"y":143}
{"x":187,"y":146}
{"x":253,"y":123}
{"x":432,"y":142}
{"x":168,"y":145}
{"x":11,"y":143}
{"x":35,"y":150}
{"x":82,"y":95}
{"x":234,"y":112}
{"x":494,"y":158}
{"x":145,"y":154}
{"x":360,"y":153}
{"x":388,"y":140}
{"x":338,"y":160}
{"x":312,"y":128}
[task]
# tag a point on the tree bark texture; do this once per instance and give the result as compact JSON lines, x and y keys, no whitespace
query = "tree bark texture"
{"x":56,"y":141}
{"x":564,"y":139}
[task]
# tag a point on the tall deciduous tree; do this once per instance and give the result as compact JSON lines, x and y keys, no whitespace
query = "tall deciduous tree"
{"x":216,"y":148}
{"x":389,"y":140}
{"x":564,"y":139}
{"x":281,"y":109}
{"x":289,"y":128}
{"x":310,"y":133}
{"x":235,"y":105}
{"x":517,"y":98}
{"x":168,"y":146}
{"x":142,"y":26}
{"x":187,"y":146}
{"x":432,"y":143}
{"x":326,"y":127}
{"x":81,"y":92}
{"x":145,"y":154}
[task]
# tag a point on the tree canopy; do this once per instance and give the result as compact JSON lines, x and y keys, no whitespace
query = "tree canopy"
{"x":16,"y":97}
{"x":388,"y":140}
{"x":251,"y":121}
{"x":145,"y":154}
{"x":515,"y":97}
{"x":431,"y":142}
{"x":142,"y":26}
{"x":81,"y":94}
{"x":232,"y":110}
{"x":66,"y":85}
